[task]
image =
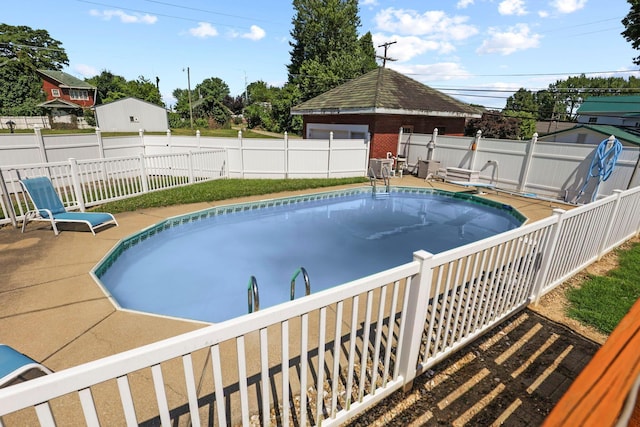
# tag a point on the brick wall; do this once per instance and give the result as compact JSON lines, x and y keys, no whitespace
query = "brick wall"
{"x":384,"y":128}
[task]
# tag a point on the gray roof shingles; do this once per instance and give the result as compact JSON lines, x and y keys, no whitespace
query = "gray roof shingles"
{"x":385,"y":90}
{"x":66,"y":80}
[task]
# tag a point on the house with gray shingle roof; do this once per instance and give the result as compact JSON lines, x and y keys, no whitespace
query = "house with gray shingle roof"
{"x":67,"y":97}
{"x":66,"y":91}
{"x":380,"y":103}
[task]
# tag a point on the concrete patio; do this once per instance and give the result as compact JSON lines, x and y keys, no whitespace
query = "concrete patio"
{"x":53,"y":311}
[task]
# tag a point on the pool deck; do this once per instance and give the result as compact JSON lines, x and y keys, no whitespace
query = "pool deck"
{"x":53,"y":311}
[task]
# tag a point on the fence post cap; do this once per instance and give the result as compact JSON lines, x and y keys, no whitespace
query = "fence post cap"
{"x":422,"y":255}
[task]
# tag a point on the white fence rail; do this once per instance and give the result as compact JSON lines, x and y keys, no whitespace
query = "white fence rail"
{"x":155,"y":162}
{"x":247,"y":157}
{"x":550,"y":169}
{"x":327,"y":357}
{"x":85,"y":183}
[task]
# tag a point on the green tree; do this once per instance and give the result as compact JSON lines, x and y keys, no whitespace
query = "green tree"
{"x":211,"y":94}
{"x":284,"y":99}
{"x":631,"y":24}
{"x":23,"y":50}
{"x":523,"y":101}
{"x":563,"y":98}
{"x":542,"y":104}
{"x":367,"y":57}
{"x":526,"y":123}
{"x":259,"y":92}
{"x":20,"y":90}
{"x":143,"y":88}
{"x":182,"y":101}
{"x":326,"y":50}
{"x":111,"y":87}
{"x":34,"y":48}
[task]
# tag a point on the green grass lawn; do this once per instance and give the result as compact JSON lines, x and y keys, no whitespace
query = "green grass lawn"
{"x":602,"y":301}
{"x":222,"y":189}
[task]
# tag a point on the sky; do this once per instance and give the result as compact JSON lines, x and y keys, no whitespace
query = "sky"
{"x":478,"y":51}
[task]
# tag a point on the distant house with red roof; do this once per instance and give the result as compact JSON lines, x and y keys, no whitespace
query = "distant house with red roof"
{"x":380,"y":103}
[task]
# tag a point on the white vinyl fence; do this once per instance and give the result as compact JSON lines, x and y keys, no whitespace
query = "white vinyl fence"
{"x":326,"y":357}
{"x":155,"y":162}
{"x":548,"y":169}
{"x":247,"y":157}
{"x":85,"y":183}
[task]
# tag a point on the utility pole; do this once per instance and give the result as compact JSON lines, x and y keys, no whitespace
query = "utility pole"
{"x":385,"y":58}
{"x":189,"y":92}
{"x":246,"y":94}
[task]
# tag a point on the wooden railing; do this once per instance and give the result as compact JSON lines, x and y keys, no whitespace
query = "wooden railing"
{"x":605,"y":392}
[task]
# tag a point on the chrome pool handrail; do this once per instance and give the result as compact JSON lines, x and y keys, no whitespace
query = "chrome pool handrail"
{"x":253,"y":297}
{"x":307,"y":284}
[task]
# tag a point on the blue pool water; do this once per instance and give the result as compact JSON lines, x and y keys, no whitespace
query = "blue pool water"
{"x":200,"y":270}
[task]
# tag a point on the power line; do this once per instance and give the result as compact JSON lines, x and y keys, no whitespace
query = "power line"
{"x":528,"y":74}
{"x":159,"y":14}
{"x":195,"y":9}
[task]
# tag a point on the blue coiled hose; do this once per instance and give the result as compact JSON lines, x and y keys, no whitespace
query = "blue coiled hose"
{"x":602,"y":164}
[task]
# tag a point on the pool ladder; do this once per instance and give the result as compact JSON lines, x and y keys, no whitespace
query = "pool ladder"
{"x":307,"y":284}
{"x":386,"y":174}
{"x":253,"y":295}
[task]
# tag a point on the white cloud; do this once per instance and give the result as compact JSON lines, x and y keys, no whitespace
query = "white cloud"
{"x":512,"y":7}
{"x":369,"y":2}
{"x":203,"y":30}
{"x":409,"y":47}
{"x":514,"y":39}
{"x":433,"y":72}
{"x":543,"y":14}
{"x":463,"y":4}
{"x":430,"y":23}
{"x":568,"y":6}
{"x":256,"y":33}
{"x":124,"y":17}
{"x":86,"y":70}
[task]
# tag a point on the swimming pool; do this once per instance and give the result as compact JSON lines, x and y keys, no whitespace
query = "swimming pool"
{"x":197,"y":266}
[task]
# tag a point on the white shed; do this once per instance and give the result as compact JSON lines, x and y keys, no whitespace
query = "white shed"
{"x":131,"y":115}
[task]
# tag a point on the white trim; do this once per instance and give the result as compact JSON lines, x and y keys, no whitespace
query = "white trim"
{"x":391,"y":111}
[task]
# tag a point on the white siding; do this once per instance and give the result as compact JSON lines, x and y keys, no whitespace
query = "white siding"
{"x":131,"y":115}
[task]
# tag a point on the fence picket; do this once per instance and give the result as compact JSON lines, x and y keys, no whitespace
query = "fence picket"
{"x":449,"y":299}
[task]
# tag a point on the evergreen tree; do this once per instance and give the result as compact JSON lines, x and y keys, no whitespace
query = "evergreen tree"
{"x":326,"y":50}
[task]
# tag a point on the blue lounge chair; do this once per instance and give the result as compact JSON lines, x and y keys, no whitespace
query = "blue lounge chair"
{"x":15,"y":367}
{"x":49,"y":207}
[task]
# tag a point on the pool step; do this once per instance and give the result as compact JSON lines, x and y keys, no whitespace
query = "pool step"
{"x":381,"y":195}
